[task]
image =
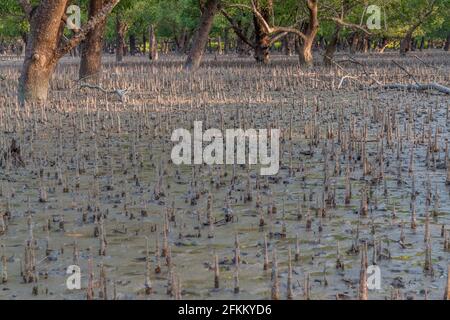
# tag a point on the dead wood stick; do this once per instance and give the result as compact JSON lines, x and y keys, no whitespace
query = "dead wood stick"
{"x":352,"y":60}
{"x":418,"y":87}
{"x":406,"y":71}
{"x":426,"y":64}
{"x":120,"y":92}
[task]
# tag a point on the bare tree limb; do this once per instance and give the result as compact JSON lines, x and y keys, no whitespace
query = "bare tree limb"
{"x":277,"y":37}
{"x":417,"y":87}
{"x":239,"y":32}
{"x":352,"y":60}
{"x":406,"y":71}
{"x":267,"y":28}
{"x":120,"y":92}
{"x":427,"y":64}
{"x":349,"y":25}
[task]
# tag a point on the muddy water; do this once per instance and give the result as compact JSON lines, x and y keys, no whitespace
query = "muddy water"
{"x":66,"y":132}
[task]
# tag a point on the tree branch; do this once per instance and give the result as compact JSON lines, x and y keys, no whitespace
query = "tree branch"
{"x":239,"y":32}
{"x":277,"y":37}
{"x":91,"y":24}
{"x":266,"y":27}
{"x":349,"y":25}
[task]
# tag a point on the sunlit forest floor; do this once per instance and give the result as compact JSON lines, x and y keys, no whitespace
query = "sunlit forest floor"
{"x":361,"y":166}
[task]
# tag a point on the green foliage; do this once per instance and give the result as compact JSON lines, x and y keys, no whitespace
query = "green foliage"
{"x":172,"y":18}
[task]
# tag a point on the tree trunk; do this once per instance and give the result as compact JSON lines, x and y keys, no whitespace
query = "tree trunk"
{"x":305,"y":54}
{"x":422,"y":43}
{"x":144,"y":43}
{"x":354,"y":43}
{"x":288,"y":44}
{"x":262,"y":38}
{"x":332,"y":45}
{"x":133,"y":48}
{"x":241,"y":48}
{"x":383,"y":45}
{"x":153,"y":47}
{"x":121,"y":29}
{"x":45,"y":33}
{"x":226,"y":41}
{"x":91,"y":48}
{"x":219,"y":46}
{"x":201,"y":38}
{"x":405,"y":44}
{"x":447,"y":43}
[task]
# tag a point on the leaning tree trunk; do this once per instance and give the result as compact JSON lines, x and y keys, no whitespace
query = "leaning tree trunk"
{"x":305,"y":50}
{"x":332,"y":45}
{"x":153,"y":50}
{"x":91,"y":48}
{"x":121,"y":29}
{"x":40,"y":56}
{"x":201,"y":38}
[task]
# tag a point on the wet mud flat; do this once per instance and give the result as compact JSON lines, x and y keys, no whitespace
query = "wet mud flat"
{"x":364,"y":179}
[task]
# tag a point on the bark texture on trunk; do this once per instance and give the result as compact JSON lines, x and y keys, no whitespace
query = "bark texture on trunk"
{"x":121,"y":29}
{"x":201,"y":37}
{"x":153,"y":49}
{"x":40,"y":60}
{"x":91,"y":48}
{"x":305,"y":54}
{"x":262,"y":38}
{"x":45,"y":45}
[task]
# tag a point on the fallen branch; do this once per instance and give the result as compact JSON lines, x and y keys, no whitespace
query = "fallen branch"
{"x":352,"y":60}
{"x":121,"y":93}
{"x":346,"y":77}
{"x":406,"y":71}
{"x":417,"y":87}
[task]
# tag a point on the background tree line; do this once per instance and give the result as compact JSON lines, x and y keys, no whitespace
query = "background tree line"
{"x":245,"y":27}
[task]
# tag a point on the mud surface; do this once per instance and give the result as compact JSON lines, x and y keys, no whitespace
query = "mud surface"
{"x":92,"y":162}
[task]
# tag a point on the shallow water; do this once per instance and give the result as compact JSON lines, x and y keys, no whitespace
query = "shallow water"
{"x":75,"y":121}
